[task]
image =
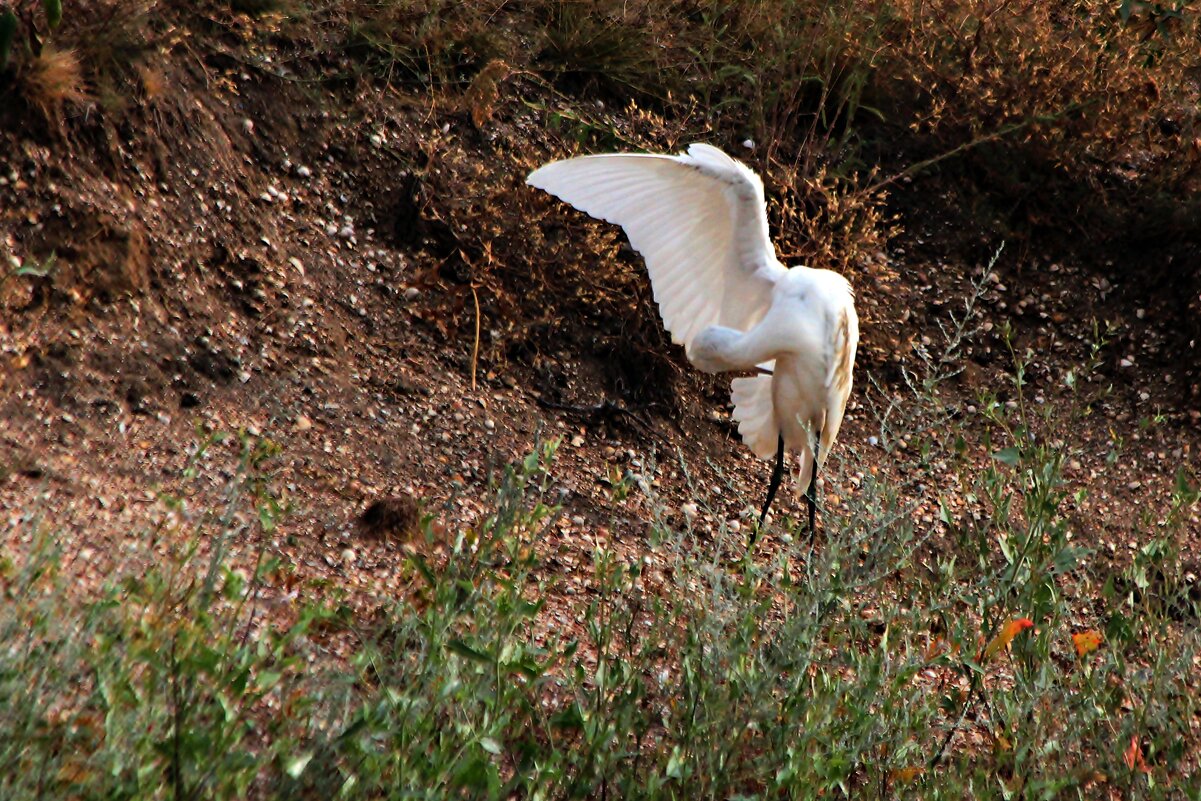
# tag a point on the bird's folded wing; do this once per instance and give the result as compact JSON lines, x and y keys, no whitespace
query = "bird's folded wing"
{"x":698,"y":219}
{"x":841,"y":361}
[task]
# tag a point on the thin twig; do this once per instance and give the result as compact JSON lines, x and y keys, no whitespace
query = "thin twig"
{"x":475,"y":350}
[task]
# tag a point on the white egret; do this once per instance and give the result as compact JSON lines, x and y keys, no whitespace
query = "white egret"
{"x":699,"y":220}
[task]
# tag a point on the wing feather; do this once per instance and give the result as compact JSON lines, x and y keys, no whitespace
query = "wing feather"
{"x":699,"y":220}
{"x":755,"y":414}
{"x":838,"y":379}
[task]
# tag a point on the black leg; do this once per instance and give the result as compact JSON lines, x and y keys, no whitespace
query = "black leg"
{"x":777,"y":473}
{"x":811,"y":494}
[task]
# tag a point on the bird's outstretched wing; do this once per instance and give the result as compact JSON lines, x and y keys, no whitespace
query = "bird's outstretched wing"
{"x":698,"y":219}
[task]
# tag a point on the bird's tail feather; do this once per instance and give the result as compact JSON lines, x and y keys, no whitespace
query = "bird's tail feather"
{"x":755,"y":414}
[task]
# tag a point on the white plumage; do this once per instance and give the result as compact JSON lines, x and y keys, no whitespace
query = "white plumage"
{"x":699,"y":220}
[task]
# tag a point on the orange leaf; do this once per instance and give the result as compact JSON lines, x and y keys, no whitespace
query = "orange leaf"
{"x":939,"y":646}
{"x":906,"y":775}
{"x":1134,"y":757}
{"x":1010,"y":630}
{"x":1087,"y":641}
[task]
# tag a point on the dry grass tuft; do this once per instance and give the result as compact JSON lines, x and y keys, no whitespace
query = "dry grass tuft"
{"x":153,"y":81}
{"x":53,"y":80}
{"x":481,"y":96}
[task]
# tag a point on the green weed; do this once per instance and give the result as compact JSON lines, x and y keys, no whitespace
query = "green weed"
{"x":873,"y":664}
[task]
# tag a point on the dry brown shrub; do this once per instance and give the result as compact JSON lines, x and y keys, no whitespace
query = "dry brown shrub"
{"x":1071,"y":79}
{"x":831,"y":222}
{"x":436,"y":44}
{"x":795,"y":72}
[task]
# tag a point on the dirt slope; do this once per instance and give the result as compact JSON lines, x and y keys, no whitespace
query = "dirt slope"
{"x":312,"y":263}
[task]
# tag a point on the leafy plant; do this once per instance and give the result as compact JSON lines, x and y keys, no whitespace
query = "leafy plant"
{"x":20,"y":15}
{"x":8,"y":33}
{"x":30,"y":268}
{"x":874,"y":664}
